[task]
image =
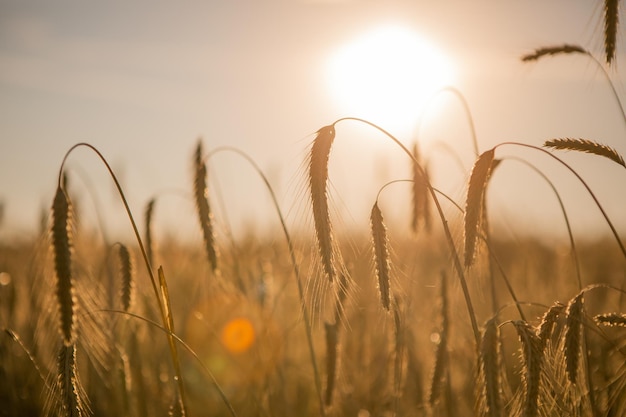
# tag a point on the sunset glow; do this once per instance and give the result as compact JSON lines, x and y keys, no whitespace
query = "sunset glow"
{"x":387,"y":75}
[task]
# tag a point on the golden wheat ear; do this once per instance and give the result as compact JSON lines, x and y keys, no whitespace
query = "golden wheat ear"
{"x":381,"y":255}
{"x":127,"y":273}
{"x":318,"y":182}
{"x":587,"y":146}
{"x":475,"y":200}
{"x":548,"y":321}
{"x":63,"y":249}
{"x":490,"y":369}
{"x":533,"y":362}
{"x":203,"y":207}
{"x":573,"y":336}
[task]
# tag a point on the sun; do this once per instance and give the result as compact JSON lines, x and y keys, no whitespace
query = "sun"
{"x":387,"y":76}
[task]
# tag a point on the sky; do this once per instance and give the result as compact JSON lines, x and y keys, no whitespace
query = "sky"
{"x":144,"y":81}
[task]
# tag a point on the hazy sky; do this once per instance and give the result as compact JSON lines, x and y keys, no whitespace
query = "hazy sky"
{"x":143,"y":80}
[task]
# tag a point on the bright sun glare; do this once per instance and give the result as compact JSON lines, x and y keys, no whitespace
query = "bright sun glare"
{"x":387,"y":76}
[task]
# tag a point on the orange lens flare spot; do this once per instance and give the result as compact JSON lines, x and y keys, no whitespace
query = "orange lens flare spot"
{"x":238,"y":335}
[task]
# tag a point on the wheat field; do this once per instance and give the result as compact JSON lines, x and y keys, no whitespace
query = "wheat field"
{"x":445,"y":318}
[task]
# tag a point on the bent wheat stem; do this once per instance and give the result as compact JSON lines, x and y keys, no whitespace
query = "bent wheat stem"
{"x":444,"y":222}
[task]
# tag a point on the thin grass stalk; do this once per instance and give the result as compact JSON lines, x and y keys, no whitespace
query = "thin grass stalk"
{"x":137,"y":236}
{"x":188,"y":348}
{"x":296,"y":271}
{"x":419,"y":196}
{"x":170,"y":326}
{"x":568,"y":226}
{"x":441,"y":355}
{"x":332,"y":342}
{"x":589,"y":191}
{"x":449,"y":239}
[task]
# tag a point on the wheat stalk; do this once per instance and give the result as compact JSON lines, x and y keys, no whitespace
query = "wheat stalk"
{"x":585,"y":145}
{"x":205,"y":215}
{"x":533,"y":358}
{"x":475,"y":201}
{"x":611,"y":22}
{"x":553,"y":50}
{"x":573,"y":330}
{"x":442,"y":348}
{"x":419,"y":195}
{"x":63,"y":249}
{"x":332,"y":341}
{"x":381,"y":255}
{"x":318,"y":181}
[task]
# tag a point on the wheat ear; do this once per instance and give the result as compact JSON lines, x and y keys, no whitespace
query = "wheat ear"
{"x":573,"y":330}
{"x":318,"y":181}
{"x":533,"y":358}
{"x":553,"y":50}
{"x":202,"y":205}
{"x":127,"y":273}
{"x":381,"y":255}
{"x":475,"y":201}
{"x":63,"y":249}
{"x":149,"y":213}
{"x":548,"y":321}
{"x":611,"y":319}
{"x":490,"y":368}
{"x":585,"y":145}
{"x":71,"y":391}
{"x":611,"y":21}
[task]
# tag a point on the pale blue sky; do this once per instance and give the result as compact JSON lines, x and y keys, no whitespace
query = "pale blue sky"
{"x":143,"y":81}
